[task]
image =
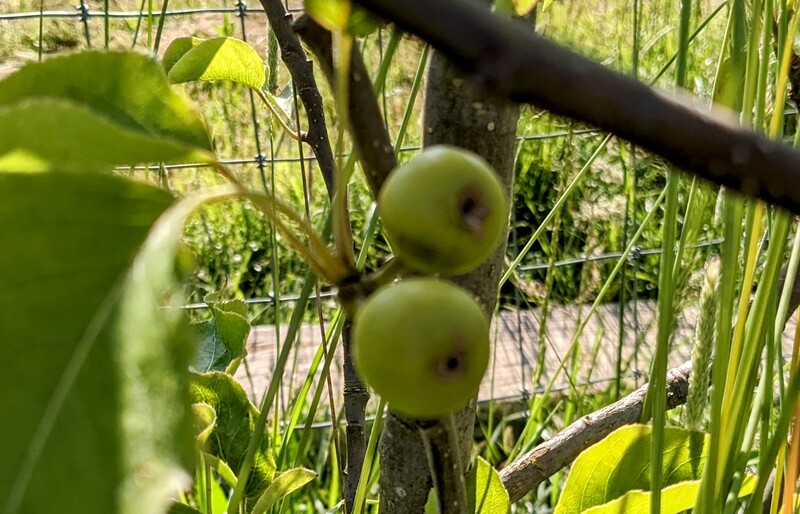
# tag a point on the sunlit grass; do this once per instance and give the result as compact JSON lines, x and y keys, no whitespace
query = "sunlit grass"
{"x":610,"y":200}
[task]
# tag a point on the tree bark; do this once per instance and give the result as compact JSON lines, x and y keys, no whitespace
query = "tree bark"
{"x":355,"y":405}
{"x":302,"y":71}
{"x":371,"y":140}
{"x":527,"y":472}
{"x":456,"y":112}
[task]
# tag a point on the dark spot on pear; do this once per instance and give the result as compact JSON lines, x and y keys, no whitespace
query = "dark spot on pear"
{"x":453,"y":366}
{"x":473,"y":211}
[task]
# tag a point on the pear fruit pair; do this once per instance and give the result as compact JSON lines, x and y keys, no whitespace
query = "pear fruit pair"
{"x":423,"y":344}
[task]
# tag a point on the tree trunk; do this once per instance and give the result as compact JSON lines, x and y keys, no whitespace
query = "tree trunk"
{"x":456,"y":112}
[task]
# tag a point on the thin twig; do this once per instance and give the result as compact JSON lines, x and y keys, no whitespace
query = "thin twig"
{"x":302,"y":72}
{"x":373,"y":146}
{"x":528,"y":471}
{"x":515,"y":63}
{"x":370,"y":137}
{"x":356,"y":397}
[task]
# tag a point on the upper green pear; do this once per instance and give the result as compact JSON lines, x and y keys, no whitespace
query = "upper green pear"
{"x":423,"y":345}
{"x":444,"y":211}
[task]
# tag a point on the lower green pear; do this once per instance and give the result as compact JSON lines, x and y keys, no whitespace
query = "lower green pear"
{"x":444,"y":211}
{"x":423,"y":345}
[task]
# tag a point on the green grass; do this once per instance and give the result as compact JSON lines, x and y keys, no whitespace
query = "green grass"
{"x":616,"y":189}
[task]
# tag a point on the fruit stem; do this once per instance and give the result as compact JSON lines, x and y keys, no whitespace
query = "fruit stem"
{"x":384,"y":275}
{"x":444,"y":460}
{"x":315,"y":253}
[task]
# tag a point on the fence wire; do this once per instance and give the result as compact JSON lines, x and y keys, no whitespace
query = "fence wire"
{"x":528,"y":339}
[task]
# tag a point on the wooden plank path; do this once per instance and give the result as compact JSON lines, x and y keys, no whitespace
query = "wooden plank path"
{"x":516,"y":346}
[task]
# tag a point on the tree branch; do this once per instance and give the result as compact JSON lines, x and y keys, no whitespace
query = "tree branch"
{"x":515,"y":63}
{"x":527,"y":472}
{"x":302,"y":72}
{"x":356,"y":397}
{"x":370,"y":137}
{"x":374,"y":148}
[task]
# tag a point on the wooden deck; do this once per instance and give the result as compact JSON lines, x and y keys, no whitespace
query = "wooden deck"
{"x":516,"y":348}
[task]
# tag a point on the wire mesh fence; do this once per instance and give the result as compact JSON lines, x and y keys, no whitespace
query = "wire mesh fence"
{"x":529,"y":341}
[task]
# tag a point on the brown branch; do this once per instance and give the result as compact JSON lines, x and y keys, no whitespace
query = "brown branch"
{"x":527,"y":472}
{"x":370,"y":137}
{"x":517,"y":64}
{"x":374,"y":148}
{"x":302,"y":72}
{"x":355,"y":405}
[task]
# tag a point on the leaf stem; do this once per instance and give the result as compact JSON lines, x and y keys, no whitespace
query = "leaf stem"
{"x":316,"y":254}
{"x":297,"y":135}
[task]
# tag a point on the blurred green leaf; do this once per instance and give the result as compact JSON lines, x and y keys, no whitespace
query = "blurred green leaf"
{"x":516,"y":7}
{"x":222,"y":58}
{"x":127,"y":88}
{"x":523,"y":7}
{"x":92,"y":351}
{"x":331,"y":14}
{"x":362,"y":23}
{"x":81,"y":139}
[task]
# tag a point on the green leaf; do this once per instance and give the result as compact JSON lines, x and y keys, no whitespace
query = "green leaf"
{"x":620,"y":463}
{"x":485,"y":491}
{"x":331,"y":14}
{"x":177,"y":49}
{"x":674,"y":499}
{"x":127,"y":88}
{"x":92,"y":350}
{"x":432,"y":504}
{"x":284,"y":484}
{"x":204,"y":420}
{"x":224,"y":336}
{"x":504,"y":7}
{"x":210,"y":498}
{"x":81,"y":139}
{"x":222,"y":58}
{"x":236,"y":418}
{"x":223,"y":470}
